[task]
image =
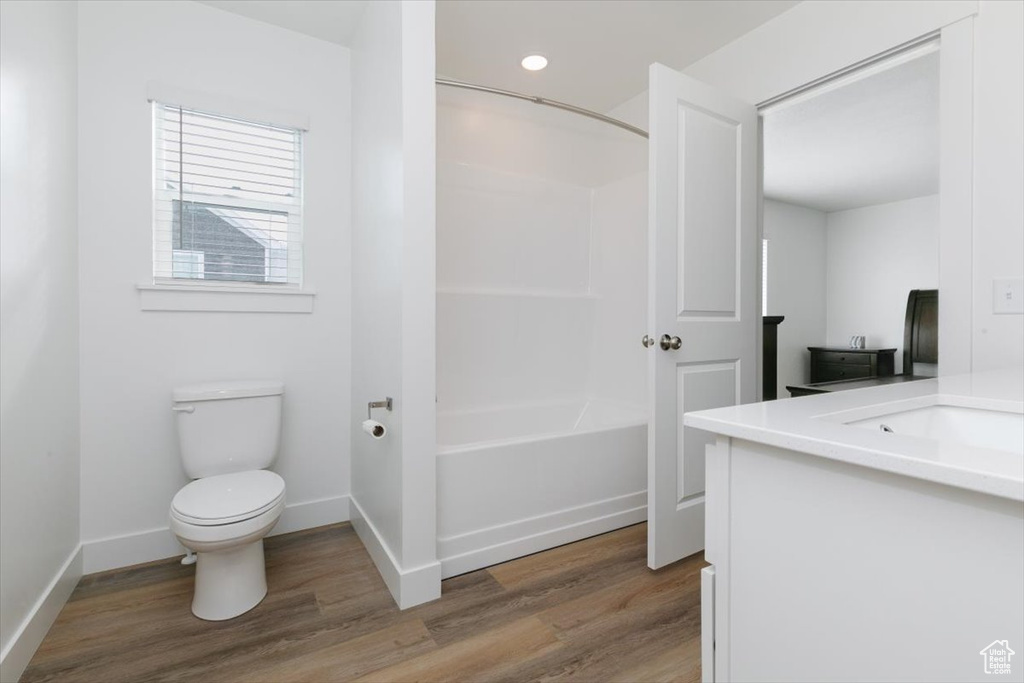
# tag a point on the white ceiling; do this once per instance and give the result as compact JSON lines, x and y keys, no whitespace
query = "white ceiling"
{"x":598,"y":51}
{"x":873,"y":141}
{"x":333,"y":20}
{"x":869,"y":142}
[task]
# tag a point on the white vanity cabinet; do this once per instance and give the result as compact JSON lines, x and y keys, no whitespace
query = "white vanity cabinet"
{"x":843,"y":553}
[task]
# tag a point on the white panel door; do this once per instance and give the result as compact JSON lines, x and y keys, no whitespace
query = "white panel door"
{"x":703,"y":293}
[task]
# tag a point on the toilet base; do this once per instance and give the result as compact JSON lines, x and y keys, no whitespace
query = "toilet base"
{"x":229,"y":582}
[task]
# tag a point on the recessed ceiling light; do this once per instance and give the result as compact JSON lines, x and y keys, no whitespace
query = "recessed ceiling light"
{"x":534,"y":62}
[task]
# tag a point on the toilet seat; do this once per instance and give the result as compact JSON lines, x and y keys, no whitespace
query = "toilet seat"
{"x":228,"y":498}
{"x":214,"y":537}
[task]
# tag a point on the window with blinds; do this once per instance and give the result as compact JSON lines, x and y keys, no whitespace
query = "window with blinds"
{"x":227,"y":199}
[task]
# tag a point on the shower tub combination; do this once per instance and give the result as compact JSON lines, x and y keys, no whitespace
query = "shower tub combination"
{"x":518,"y":480}
{"x":541,"y":287}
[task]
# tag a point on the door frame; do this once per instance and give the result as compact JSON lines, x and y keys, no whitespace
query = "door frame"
{"x":956,"y":178}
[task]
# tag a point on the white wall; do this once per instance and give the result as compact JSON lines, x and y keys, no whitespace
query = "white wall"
{"x":796,"y":286}
{"x":393,"y":489}
{"x":377,"y":265}
{"x":998,"y":340}
{"x":523,"y":138}
{"x":541,"y":255}
{"x":132,"y":359}
{"x":876,"y":255}
{"x":39,"y":457}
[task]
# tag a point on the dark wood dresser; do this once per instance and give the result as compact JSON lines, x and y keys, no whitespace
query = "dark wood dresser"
{"x":843,"y":369}
{"x":831,"y":364}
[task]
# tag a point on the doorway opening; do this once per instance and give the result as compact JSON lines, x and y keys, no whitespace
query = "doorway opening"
{"x":851,"y":218}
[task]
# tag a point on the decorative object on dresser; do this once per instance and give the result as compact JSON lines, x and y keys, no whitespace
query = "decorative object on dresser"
{"x":770,"y":356}
{"x":920,"y":345}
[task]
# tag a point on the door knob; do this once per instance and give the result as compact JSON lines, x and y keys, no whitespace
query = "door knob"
{"x":647,"y":341}
{"x":673,"y":343}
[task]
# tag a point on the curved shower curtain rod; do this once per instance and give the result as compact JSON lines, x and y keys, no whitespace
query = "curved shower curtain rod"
{"x":545,"y":101}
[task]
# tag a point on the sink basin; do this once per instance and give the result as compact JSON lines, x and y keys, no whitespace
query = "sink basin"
{"x":996,"y":429}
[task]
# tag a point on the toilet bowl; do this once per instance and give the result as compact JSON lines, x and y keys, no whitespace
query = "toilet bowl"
{"x":223,"y":519}
{"x":228,"y":434}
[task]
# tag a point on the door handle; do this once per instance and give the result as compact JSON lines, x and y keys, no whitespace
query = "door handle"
{"x":673,"y":343}
{"x":647,"y":341}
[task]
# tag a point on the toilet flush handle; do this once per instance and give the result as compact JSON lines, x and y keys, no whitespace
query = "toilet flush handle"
{"x":183,"y":409}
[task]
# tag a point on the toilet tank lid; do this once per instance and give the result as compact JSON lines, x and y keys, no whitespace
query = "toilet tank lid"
{"x":213,"y":391}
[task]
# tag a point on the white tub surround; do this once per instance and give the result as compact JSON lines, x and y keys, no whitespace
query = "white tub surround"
{"x":517,"y":480}
{"x":844,"y":551}
{"x":541,"y":384}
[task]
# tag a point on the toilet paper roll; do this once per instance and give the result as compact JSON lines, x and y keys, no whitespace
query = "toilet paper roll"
{"x":374,"y":429}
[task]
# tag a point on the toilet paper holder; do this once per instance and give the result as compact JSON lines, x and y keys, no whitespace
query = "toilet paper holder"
{"x":387,"y":404}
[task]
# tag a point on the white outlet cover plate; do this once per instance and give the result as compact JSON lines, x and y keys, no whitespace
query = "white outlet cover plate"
{"x":1008,"y":295}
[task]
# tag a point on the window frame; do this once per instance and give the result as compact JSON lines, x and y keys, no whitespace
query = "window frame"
{"x":167,"y":293}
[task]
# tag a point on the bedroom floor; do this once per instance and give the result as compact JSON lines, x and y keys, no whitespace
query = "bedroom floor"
{"x":588,"y":611}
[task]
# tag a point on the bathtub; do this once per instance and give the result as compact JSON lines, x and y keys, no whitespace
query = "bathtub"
{"x":513,"y":481}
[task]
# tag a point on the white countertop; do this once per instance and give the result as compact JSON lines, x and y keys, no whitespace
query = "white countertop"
{"x":816,"y":425}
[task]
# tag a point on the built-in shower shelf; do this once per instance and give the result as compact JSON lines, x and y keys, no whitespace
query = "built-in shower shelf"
{"x":526,"y":293}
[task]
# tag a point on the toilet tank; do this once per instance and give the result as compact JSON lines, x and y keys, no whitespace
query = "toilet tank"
{"x":228,"y":426}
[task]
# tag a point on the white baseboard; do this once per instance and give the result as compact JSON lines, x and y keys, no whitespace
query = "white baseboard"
{"x":409,"y":587}
{"x":485,"y":547}
{"x":115,"y":552}
{"x":157,"y":544}
{"x":311,"y":514}
{"x":26,"y":639}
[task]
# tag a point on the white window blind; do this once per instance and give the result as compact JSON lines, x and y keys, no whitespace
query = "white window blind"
{"x":227,"y":199}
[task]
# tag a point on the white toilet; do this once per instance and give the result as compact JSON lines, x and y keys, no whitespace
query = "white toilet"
{"x":228,"y":435}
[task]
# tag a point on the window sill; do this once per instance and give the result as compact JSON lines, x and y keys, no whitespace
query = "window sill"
{"x":224,"y":299}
